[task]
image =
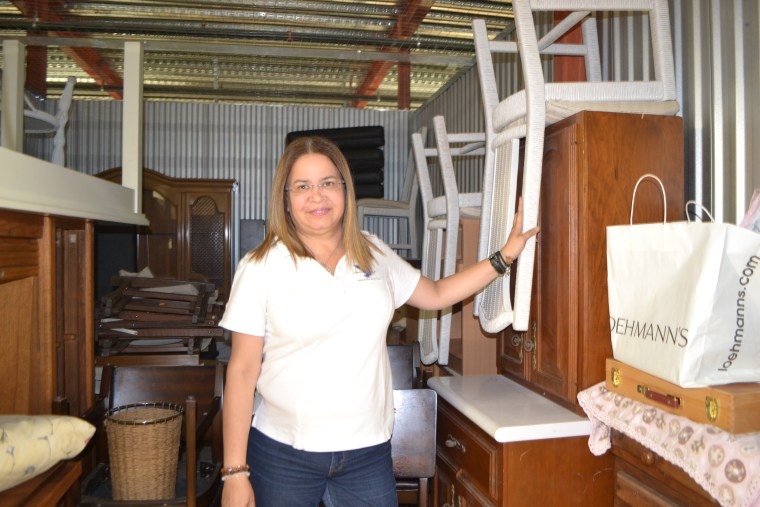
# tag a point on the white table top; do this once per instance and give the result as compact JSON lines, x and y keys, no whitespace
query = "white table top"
{"x":508,"y":411}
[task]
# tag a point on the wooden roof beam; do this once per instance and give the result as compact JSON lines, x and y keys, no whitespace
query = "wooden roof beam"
{"x":406,"y":25}
{"x":89,"y":59}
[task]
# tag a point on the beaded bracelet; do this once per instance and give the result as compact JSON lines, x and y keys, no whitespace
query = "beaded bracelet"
{"x":234,"y":470}
{"x":242,"y":473}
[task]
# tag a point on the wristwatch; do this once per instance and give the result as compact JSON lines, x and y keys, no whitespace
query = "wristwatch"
{"x":500,"y":264}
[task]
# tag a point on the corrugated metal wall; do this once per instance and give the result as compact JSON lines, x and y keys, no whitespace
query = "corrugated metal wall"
{"x":716,"y":48}
{"x":718,"y":66}
{"x":228,"y":141}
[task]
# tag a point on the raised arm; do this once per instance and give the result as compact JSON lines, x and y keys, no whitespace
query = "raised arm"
{"x":430,"y":295}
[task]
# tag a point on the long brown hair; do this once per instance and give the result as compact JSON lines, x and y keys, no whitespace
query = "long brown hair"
{"x":280,"y":226}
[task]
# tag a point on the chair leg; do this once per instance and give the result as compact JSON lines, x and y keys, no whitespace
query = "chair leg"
{"x":422,"y":494}
{"x":190,"y":449}
{"x":413,"y":240}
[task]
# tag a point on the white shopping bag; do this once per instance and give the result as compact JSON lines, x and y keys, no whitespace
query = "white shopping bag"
{"x":684,"y":300}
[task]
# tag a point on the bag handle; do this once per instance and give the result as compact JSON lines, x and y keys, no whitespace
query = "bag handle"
{"x":662,"y":189}
{"x":704,"y":210}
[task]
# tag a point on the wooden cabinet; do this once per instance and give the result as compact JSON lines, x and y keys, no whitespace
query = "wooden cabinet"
{"x":46,"y":333}
{"x":46,"y":297}
{"x":191,"y":228}
{"x":644,"y":478}
{"x":591,"y":164}
{"x":475,"y":470}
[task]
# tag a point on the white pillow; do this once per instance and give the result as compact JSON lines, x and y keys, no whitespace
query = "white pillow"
{"x":31,"y":445}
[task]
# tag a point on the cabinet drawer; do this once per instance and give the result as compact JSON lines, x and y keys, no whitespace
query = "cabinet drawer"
{"x":645,"y":466}
{"x":469,"y":450}
{"x":630,"y":491}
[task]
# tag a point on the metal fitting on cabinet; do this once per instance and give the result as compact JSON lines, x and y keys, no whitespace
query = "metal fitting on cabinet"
{"x":453,"y":443}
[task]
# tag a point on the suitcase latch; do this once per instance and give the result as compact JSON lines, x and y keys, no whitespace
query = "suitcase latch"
{"x":666,"y":399}
{"x":615,"y":377}
{"x":711,"y":408}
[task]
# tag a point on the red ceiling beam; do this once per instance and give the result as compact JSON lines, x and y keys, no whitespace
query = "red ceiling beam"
{"x":406,"y":25}
{"x":89,"y":59}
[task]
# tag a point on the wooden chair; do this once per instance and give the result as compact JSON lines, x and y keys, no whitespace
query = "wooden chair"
{"x":149,"y":360}
{"x":413,"y":443}
{"x":189,"y":386}
{"x":405,"y":365}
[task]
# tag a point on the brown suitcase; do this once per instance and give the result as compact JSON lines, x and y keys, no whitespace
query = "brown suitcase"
{"x":731,"y":407}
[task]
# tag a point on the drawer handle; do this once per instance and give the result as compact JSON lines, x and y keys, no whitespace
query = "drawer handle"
{"x":647,"y":457}
{"x":516,"y":340}
{"x":665,"y":399}
{"x":453,"y":443}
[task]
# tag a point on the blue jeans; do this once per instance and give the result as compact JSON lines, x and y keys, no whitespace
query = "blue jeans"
{"x":282,"y":476}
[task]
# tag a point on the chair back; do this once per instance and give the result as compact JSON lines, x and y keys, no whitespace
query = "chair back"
{"x":414,"y":437}
{"x":124,"y":385}
{"x":405,"y":363}
{"x":448,"y":146}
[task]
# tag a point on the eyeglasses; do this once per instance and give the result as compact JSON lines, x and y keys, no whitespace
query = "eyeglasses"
{"x":327,"y":186}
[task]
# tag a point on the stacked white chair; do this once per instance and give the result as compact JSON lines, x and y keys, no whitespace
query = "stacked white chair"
{"x":442,"y":213}
{"x":399,"y":210}
{"x":526,"y":113}
{"x":42,"y":122}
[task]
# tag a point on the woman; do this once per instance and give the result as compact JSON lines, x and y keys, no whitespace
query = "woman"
{"x":309,"y":311}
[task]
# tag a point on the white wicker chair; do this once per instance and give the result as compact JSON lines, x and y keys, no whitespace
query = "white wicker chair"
{"x":42,"y":122}
{"x":402,"y":209}
{"x":525,"y":114}
{"x":442,"y":213}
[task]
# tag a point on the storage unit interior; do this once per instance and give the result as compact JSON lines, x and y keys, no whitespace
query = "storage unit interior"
{"x":50,"y":279}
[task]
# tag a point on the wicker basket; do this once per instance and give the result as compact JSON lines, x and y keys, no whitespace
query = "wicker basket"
{"x":143,"y":444}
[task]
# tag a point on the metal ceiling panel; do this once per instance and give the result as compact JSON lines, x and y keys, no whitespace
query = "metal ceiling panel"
{"x":301,"y":52}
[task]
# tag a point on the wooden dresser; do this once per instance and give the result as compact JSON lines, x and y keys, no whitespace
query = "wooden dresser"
{"x":642,"y":477}
{"x":501,"y":444}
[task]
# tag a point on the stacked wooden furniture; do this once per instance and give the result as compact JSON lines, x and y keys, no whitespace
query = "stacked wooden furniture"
{"x":46,"y":335}
{"x":191,"y":228}
{"x":591,"y":162}
{"x":141,"y":309}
